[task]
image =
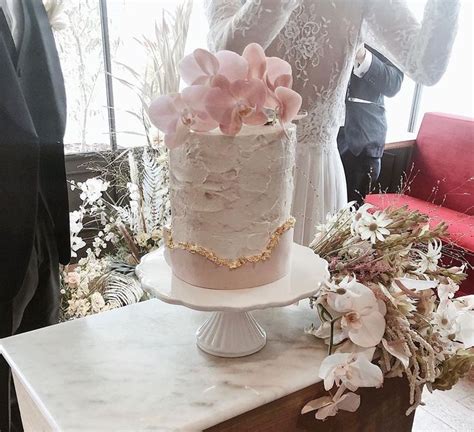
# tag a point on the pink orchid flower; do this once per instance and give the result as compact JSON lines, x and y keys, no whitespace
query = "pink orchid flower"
{"x":201,"y":67}
{"x":175,"y":114}
{"x":232,"y":104}
{"x":288,"y":104}
{"x":278,"y":75}
{"x":274,"y":71}
{"x":256,"y":59}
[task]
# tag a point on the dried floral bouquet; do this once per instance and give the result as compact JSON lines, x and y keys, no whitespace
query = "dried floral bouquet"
{"x":389,"y":309}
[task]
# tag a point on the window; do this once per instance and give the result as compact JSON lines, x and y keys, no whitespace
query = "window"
{"x":453,"y":94}
{"x":121,"y":29}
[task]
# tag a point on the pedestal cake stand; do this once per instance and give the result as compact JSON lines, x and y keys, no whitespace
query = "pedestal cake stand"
{"x":231,"y":331}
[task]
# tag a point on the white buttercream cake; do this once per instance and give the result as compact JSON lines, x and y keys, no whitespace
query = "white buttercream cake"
{"x":230,"y":204}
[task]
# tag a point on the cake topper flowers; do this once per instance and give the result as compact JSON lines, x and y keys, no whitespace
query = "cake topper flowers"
{"x":226,"y":90}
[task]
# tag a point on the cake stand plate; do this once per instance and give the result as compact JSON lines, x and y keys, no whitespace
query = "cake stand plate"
{"x":231,"y":331}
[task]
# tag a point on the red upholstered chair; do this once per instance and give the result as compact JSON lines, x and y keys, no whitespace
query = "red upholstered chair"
{"x":443,"y":181}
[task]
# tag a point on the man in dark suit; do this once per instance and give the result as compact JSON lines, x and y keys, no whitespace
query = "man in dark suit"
{"x":34,"y":224}
{"x":362,"y":139}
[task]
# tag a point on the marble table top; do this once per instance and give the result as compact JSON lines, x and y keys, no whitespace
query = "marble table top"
{"x":138,"y":368}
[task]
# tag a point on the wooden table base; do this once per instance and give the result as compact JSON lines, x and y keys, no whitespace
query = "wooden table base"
{"x":380,"y":410}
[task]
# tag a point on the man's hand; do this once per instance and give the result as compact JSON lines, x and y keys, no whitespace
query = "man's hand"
{"x":360,"y":56}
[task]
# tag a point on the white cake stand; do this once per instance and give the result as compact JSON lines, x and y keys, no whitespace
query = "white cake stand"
{"x":231,"y":331}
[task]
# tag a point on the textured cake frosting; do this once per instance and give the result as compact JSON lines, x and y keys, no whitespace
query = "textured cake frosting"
{"x":231,"y":196}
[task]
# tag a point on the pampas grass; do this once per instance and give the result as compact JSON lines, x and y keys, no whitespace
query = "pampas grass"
{"x":161,"y":75}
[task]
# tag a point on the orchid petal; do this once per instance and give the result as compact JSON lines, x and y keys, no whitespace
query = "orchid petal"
{"x":255,"y":56}
{"x":327,"y":411}
{"x":198,"y":67}
{"x":316,"y":404}
{"x":251,"y":91}
{"x":163,"y":113}
{"x":349,"y":402}
{"x":206,"y":61}
{"x":232,"y":66}
{"x":170,"y":141}
{"x":417,"y":284}
{"x":233,"y":127}
{"x":371,"y":331}
{"x":256,"y":118}
{"x":220,"y":105}
{"x":284,"y":81}
{"x":365,"y":374}
{"x":195,"y":97}
{"x":289,"y":103}
{"x":277,"y":67}
{"x":221,"y":82}
{"x":465,"y":321}
{"x":326,"y":370}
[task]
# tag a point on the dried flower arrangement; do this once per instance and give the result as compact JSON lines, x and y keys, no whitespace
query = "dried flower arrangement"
{"x":389,"y":309}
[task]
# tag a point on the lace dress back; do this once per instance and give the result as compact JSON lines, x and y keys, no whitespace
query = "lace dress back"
{"x":319,"y":39}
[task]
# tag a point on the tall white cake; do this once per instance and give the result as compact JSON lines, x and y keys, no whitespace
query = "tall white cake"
{"x":230,"y":203}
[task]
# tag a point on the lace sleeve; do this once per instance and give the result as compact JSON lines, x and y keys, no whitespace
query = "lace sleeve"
{"x":233,"y":24}
{"x":421,"y":50}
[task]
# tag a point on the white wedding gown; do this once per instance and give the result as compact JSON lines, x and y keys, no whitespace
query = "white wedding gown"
{"x":319,"y":39}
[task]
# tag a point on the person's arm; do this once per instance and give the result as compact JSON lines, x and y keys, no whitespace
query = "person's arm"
{"x":234,"y":24}
{"x":384,"y":77}
{"x":421,"y":50}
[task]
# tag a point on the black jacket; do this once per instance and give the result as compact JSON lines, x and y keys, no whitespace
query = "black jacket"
{"x":32,"y":124}
{"x":365,"y":126}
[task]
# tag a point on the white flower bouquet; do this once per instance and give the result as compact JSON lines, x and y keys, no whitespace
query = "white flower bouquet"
{"x":127,"y":214}
{"x":389,"y":310}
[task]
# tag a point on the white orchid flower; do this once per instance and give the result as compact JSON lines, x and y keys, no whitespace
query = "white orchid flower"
{"x":465,"y":322}
{"x":352,"y":370}
{"x":417,"y":284}
{"x":447,"y":291}
{"x":361,"y":315}
{"x":328,"y":406}
{"x":464,"y":302}
{"x":445,"y":319}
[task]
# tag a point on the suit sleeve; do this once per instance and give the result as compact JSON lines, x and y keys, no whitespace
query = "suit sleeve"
{"x":384,"y":77}
{"x":234,"y":24}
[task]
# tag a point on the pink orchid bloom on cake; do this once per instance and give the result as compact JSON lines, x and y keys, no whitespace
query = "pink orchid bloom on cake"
{"x":201,"y":66}
{"x":232,"y":104}
{"x":227,"y":90}
{"x":177,"y":113}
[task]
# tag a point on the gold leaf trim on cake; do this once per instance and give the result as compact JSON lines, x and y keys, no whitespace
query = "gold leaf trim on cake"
{"x":238,"y":262}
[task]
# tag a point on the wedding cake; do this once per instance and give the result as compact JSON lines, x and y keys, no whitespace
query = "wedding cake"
{"x":232,"y":156}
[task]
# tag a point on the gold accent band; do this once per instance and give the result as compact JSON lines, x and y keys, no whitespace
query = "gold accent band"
{"x":238,"y":262}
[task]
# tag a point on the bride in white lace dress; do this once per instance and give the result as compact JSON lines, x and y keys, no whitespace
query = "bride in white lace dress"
{"x":319,"y":38}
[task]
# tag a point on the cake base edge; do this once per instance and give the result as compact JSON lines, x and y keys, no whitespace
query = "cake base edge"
{"x":197,"y":270}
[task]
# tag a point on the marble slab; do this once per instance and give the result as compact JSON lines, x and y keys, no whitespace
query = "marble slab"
{"x":138,"y":368}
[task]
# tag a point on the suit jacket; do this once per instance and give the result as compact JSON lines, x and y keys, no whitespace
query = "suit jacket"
{"x":365,"y":126}
{"x":32,"y":125}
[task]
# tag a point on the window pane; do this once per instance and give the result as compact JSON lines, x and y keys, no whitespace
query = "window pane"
{"x":398,"y":112}
{"x":80,"y":51}
{"x":137,"y":25}
{"x":453,"y":94}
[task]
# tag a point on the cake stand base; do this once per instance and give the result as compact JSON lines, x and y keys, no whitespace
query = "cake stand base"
{"x":231,"y":334}
{"x":231,"y":331}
